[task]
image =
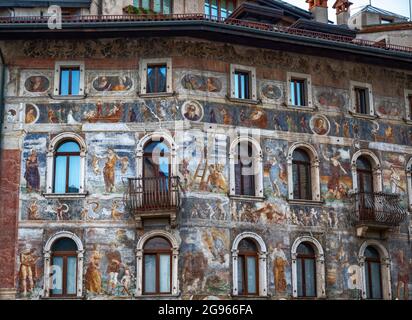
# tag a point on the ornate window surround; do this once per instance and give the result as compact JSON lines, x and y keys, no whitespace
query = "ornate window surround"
{"x":50,"y":165}
{"x":352,"y":107}
{"x":262,"y":264}
{"x":47,"y":256}
{"x":175,"y":242}
{"x":320,"y":266}
{"x":376,"y":167}
{"x":308,"y":79}
{"x":143,"y":77}
{"x":385,"y":268}
{"x":253,"y":86}
{"x":315,"y":177}
{"x":257,"y":164}
{"x":56,"y":87}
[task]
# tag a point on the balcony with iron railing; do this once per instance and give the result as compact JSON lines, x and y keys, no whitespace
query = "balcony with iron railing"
{"x":377,"y":211}
{"x":152,"y":197}
{"x":95,"y":20}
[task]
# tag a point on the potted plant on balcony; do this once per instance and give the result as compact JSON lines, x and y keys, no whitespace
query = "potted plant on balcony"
{"x":130,"y":9}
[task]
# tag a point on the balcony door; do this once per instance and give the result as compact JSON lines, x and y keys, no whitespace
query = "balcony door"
{"x":156,"y":174}
{"x":365,"y":188}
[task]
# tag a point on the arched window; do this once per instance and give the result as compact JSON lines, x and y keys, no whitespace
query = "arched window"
{"x":157,"y":264}
{"x":157,"y":255}
{"x":373,"y":273}
{"x":64,"y":271}
{"x":249,"y":265}
{"x":244,"y":170}
{"x":67,"y":168}
{"x":303,"y":172}
{"x":365,"y":175}
{"x":247,"y":282}
{"x":306,"y":270}
{"x":302,"y":183}
{"x":66,"y":163}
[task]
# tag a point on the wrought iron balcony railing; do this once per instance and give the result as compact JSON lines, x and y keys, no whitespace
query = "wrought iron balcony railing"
{"x":148,"y":195}
{"x":378,"y":209}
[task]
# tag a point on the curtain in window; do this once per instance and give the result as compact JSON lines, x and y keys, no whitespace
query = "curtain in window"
{"x":156,"y":79}
{"x":57,"y":276}
{"x":60,"y":174}
{"x":251,"y":275}
{"x":164,"y":273}
{"x":240,"y":263}
{"x":71,"y":275}
{"x":150,"y":273}
{"x":310,"y":273}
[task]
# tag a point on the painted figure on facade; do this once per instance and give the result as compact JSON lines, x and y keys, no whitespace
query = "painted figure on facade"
{"x":396,"y":181}
{"x":216,"y":179}
{"x":33,"y":210}
{"x":31,"y":114}
{"x":32,"y":174}
{"x":28,"y":270}
{"x":201,"y":83}
{"x":334,"y":185}
{"x":93,"y":275}
{"x":11,"y":116}
{"x":194,"y":266}
{"x":271,"y":91}
{"x":192,"y":111}
{"x":37,"y":84}
{"x":109,"y":168}
{"x":113,"y":267}
{"x":280,"y":262}
{"x":112,"y":83}
{"x":319,"y":125}
{"x":404,"y":269}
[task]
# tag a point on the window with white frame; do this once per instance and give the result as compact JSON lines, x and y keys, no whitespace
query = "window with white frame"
{"x":308,"y":268}
{"x":299,"y":90}
{"x":246,"y":176}
{"x":408,"y":105}
{"x":156,"y":77}
{"x":366,"y":172}
{"x":66,"y":161}
{"x":362,"y":99}
{"x":157,"y":264}
{"x":69,"y":79}
{"x":303,"y":173}
{"x":243,"y":82}
{"x":249,"y":263}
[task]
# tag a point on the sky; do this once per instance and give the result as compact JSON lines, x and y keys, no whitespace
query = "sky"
{"x":397,"y":6}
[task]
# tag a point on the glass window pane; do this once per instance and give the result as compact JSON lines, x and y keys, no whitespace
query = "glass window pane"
{"x":74,"y":174}
{"x":57,"y":275}
{"x":247,"y":245}
{"x":237,"y":89}
{"x":306,"y":249}
{"x":164,"y":273}
{"x":69,"y":147}
{"x":167,"y":7}
{"x":146,"y":4}
{"x":251,"y":275}
{"x":299,"y":277}
{"x":292,"y":93}
{"x":214,"y":9}
{"x":157,"y":243}
{"x":75,"y":82}
{"x":299,"y":94}
{"x":71,"y":275}
{"x":310,"y":277}
{"x":149,"y":273}
{"x":240,"y":286}
{"x":156,"y":6}
{"x":376,"y":280}
{"x":207,"y":7}
{"x":64,"y":244}
{"x":368,"y":284}
{"x":60,"y":174}
{"x":64,"y":82}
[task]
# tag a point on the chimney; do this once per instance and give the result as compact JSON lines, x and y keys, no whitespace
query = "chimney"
{"x":342,"y":11}
{"x":319,"y":9}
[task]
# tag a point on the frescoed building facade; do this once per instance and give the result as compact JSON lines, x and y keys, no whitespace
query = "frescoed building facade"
{"x":268,"y":155}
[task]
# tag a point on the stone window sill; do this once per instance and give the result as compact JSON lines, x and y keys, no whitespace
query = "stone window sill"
{"x":242,"y":197}
{"x":67,"y":196}
{"x":248,"y":101}
{"x":301,"y":108}
{"x":363,"y":116}
{"x":306,"y":202}
{"x":76,"y":97}
{"x":156,"y":95}
{"x":408,"y":121}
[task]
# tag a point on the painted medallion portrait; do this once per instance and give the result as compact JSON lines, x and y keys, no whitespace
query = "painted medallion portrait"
{"x":320,"y":125}
{"x":31,"y":114}
{"x":271,"y":91}
{"x":192,"y":111}
{"x":37,"y":84}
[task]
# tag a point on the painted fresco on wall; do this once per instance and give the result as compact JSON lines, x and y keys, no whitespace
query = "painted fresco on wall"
{"x":201,"y":83}
{"x":275,"y":168}
{"x":389,"y":107}
{"x":206,"y":206}
{"x":112,"y":83}
{"x":110,"y":159}
{"x":28,"y":271}
{"x":280,"y":267}
{"x":32,"y":114}
{"x":403,"y":270}
{"x":32,"y":174}
{"x":336,"y":99}
{"x":33,"y":169}
{"x":37,"y":84}
{"x":258,"y":212}
{"x":272,"y":90}
{"x":320,"y":125}
{"x":192,"y":111}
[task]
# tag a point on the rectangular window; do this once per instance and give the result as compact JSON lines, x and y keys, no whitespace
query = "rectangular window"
{"x":362,"y":100}
{"x":242,"y":85}
{"x":150,"y":273}
{"x":71,"y":275}
{"x":219,"y":8}
{"x":156,"y":78}
{"x":57,"y":276}
{"x":164,"y":273}
{"x":298,"y":92}
{"x":69,"y":81}
{"x":251,"y":275}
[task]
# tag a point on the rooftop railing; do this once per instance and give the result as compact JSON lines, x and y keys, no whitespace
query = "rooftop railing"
{"x":85,"y":19}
